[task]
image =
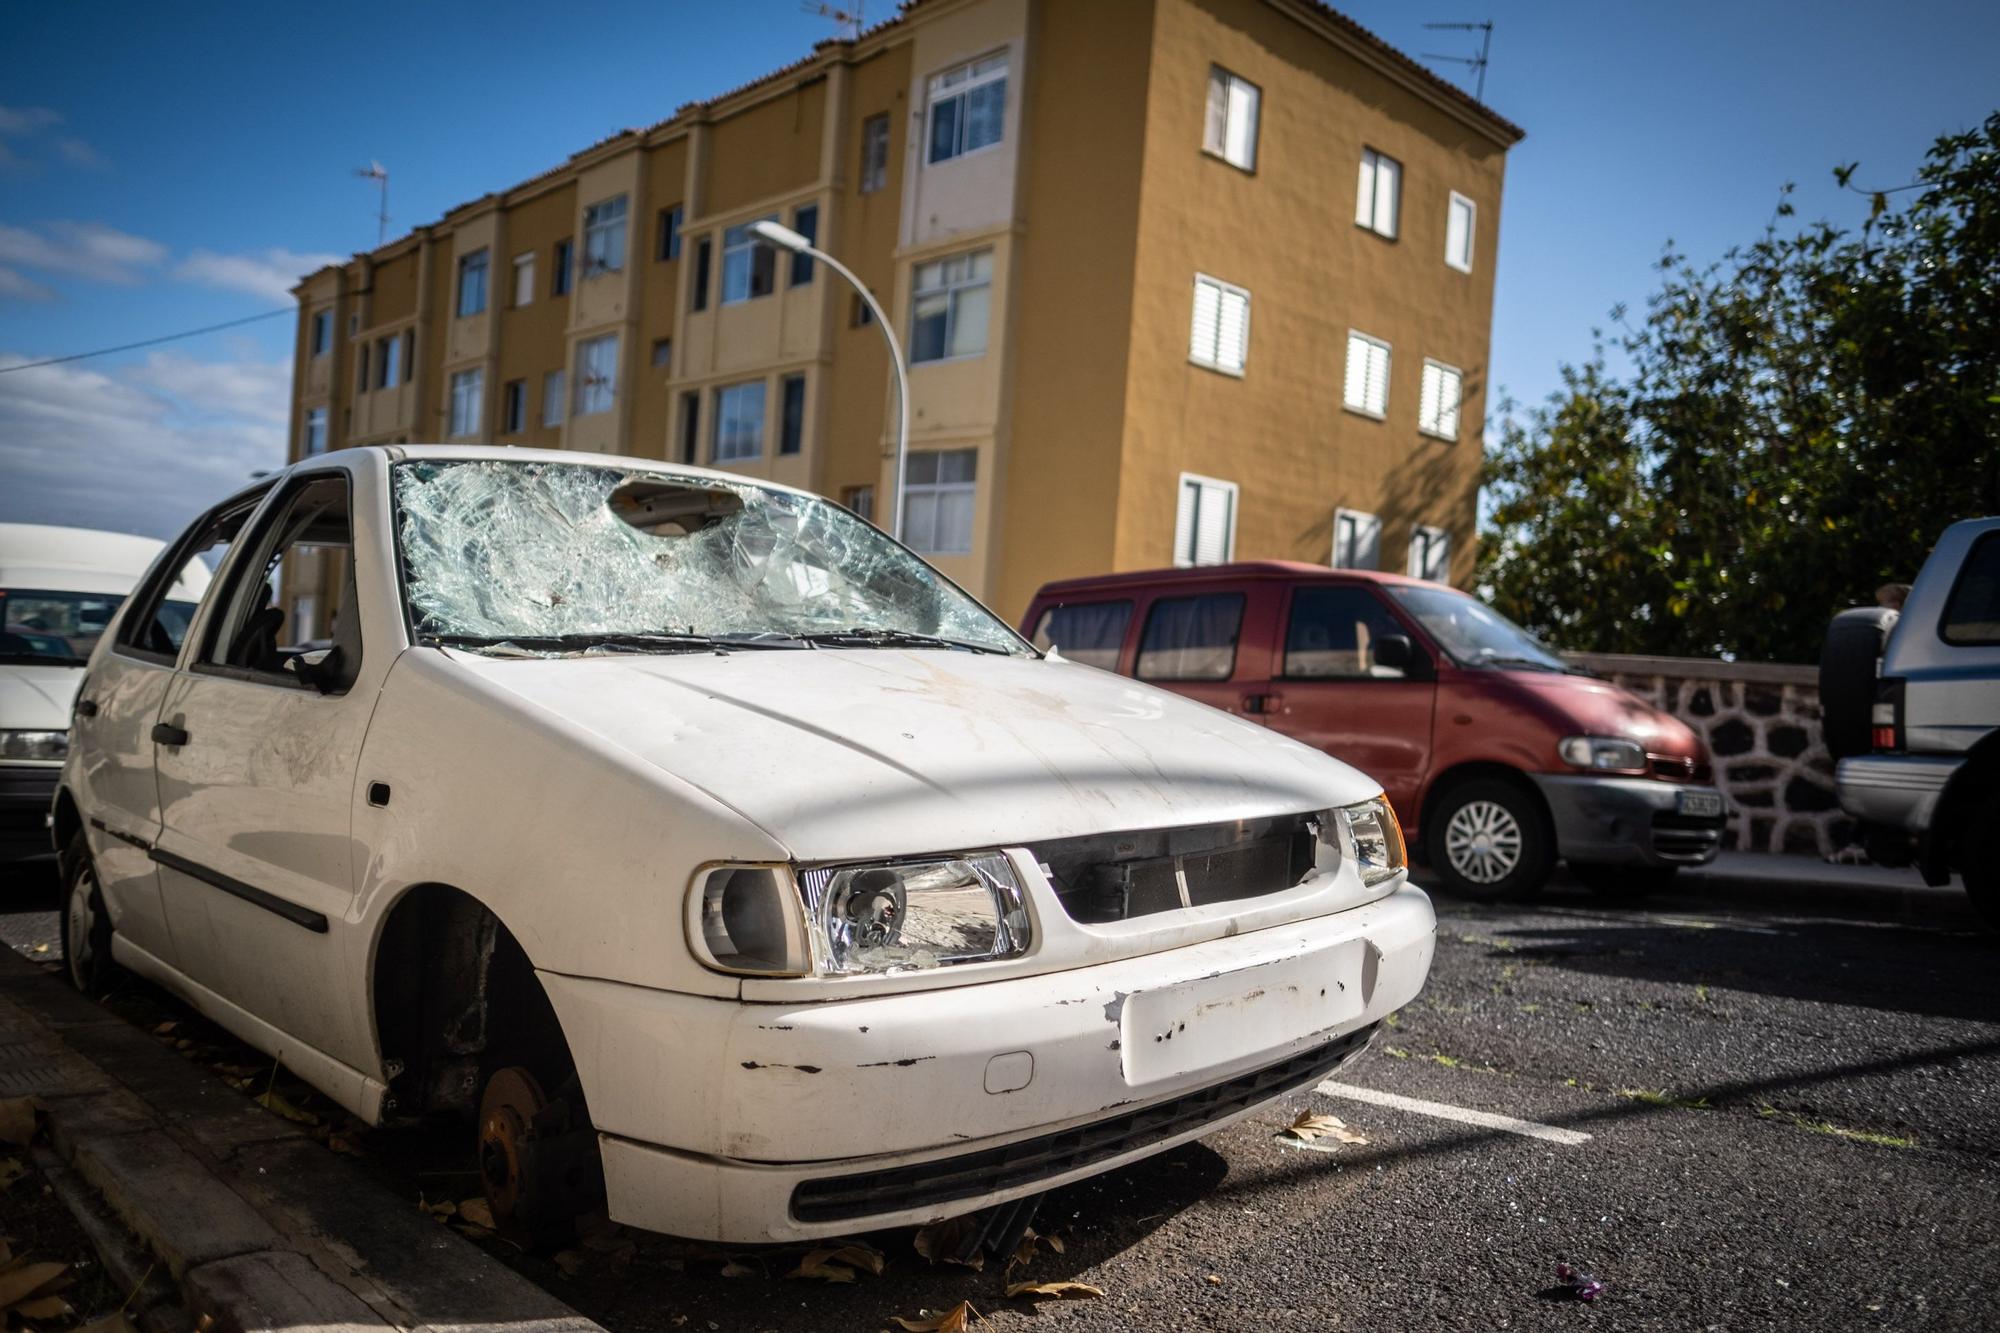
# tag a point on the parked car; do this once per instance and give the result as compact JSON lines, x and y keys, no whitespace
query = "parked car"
{"x":1911,"y":708}
{"x":1499,"y":756}
{"x":709,"y":845}
{"x":58,"y":590}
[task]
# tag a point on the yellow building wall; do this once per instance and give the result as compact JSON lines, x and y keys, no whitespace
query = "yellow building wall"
{"x":532,"y":336}
{"x":395,"y":284}
{"x":769,"y":149}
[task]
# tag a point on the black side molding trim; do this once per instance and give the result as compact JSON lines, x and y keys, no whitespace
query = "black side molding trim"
{"x":249,"y":893}
{"x":105,"y":828}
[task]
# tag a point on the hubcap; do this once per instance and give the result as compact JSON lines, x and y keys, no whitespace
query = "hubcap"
{"x":82,"y":921}
{"x":1483,"y":841}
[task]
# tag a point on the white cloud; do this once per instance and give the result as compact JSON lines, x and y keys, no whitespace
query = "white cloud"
{"x":28,"y":122}
{"x":270,"y":274}
{"x":83,"y":250}
{"x":16,"y":121}
{"x":20,"y":287}
{"x":78,"y":153}
{"x":138,"y":448}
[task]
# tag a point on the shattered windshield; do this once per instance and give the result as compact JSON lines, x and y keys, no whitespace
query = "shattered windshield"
{"x":551,"y":556}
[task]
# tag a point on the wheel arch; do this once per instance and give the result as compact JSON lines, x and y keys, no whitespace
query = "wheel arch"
{"x":1472,"y":770}
{"x":68,"y":820}
{"x":1977,"y":776}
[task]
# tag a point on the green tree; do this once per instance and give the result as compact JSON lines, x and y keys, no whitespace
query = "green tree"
{"x":1799,"y":422}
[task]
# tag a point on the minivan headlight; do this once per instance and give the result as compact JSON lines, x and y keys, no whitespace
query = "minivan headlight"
{"x":34,"y":744}
{"x":1603,"y":754}
{"x":1371,"y":836}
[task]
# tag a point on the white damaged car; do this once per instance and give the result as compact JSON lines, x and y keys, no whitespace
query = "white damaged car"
{"x":730,"y":867}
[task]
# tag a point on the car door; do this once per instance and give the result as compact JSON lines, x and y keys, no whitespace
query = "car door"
{"x":1211,"y":642}
{"x":117,"y":707}
{"x":257,"y":770}
{"x":1333,"y":692}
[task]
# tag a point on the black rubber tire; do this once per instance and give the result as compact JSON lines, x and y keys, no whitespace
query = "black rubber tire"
{"x":1537,"y":854}
{"x":1623,"y":884}
{"x":1978,"y":861}
{"x":90,"y":968}
{"x":1847,"y":662}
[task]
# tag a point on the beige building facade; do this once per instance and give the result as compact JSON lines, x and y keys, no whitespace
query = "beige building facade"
{"x":1180,"y":281}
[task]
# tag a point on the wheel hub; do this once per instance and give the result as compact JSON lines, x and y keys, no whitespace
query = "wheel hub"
{"x":1483,"y":840}
{"x":507,"y":1115}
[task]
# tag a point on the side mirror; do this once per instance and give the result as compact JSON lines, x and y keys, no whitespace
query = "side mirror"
{"x":1395,"y":651}
{"x":322,"y":669}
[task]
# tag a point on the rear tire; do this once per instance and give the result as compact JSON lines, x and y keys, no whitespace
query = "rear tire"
{"x":1847,"y":663}
{"x":1624,"y":884}
{"x":1490,"y":839}
{"x":84,"y":925}
{"x":1979,"y":862}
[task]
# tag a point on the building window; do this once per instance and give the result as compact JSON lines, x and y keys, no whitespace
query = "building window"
{"x":1357,"y":540}
{"x":596,"y":374}
{"x":472,"y":284}
{"x":749,"y":266}
{"x":555,"y":391}
{"x":938,"y":491}
{"x":409,"y":353}
{"x":467,"y":388}
{"x":315,"y":441}
{"x":1367,"y":388}
{"x":1458,"y":232}
{"x":1220,"y":338}
{"x":514,"y":407}
{"x":739,"y":422}
{"x":322,"y":332}
{"x":967,"y":107}
{"x":792,"y":418}
{"x":690,"y":426}
{"x":604,"y":237}
{"x":524,"y":279}
{"x":1379,"y":201}
{"x":670,"y":232}
{"x":1430,"y":554}
{"x":805,"y":221}
{"x":1437,"y":408}
{"x":860,"y":501}
{"x":1231,"y":129}
{"x":1205,"y":522}
{"x":389,"y":362}
{"x":863,"y":312}
{"x":353,"y":324}
{"x":948,"y":309}
{"x":663,"y":353}
{"x":875,"y":153}
{"x":565,"y":256}
{"x":702,"y":249}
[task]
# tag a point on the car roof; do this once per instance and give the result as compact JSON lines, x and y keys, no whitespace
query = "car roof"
{"x":61,"y":559}
{"x":1238,"y":572}
{"x":353,"y":456}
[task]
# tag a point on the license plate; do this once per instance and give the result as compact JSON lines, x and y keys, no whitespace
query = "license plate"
{"x":1701,"y":803}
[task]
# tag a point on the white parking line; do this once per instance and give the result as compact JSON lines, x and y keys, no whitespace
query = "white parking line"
{"x":1464,"y":1116}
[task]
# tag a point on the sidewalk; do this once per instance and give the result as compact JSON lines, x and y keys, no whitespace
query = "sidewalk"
{"x":259,"y":1226}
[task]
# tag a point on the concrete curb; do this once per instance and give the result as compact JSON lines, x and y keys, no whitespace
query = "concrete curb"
{"x":260,"y":1227}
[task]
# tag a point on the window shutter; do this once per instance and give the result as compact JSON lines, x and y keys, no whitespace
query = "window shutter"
{"x":1378,"y":378}
{"x":1364,"y":193}
{"x":1215,"y":131}
{"x":1202,"y":344}
{"x":1232,"y":343}
{"x":1184,"y":522}
{"x":1213,"y":520}
{"x":1388,"y":185}
{"x":1427,"y":406}
{"x":1355,"y":394}
{"x":1241,"y":129}
{"x":1458,"y":234}
{"x":1451,"y":387}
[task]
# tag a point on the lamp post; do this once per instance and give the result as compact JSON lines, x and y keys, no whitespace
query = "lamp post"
{"x":784,"y":238}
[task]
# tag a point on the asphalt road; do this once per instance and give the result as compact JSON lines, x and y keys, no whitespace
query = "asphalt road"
{"x":1791,"y":1125}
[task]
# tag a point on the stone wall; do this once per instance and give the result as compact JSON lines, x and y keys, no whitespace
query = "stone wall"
{"x":1760,"y":721}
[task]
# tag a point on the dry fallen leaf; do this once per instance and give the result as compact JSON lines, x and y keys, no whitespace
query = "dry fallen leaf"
{"x":823,"y":1271}
{"x":115,"y":1322}
{"x":44,"y":1307}
{"x":571,"y":1262}
{"x":441,"y":1210}
{"x":860,"y":1256}
{"x":1309,"y":1127}
{"x":28,"y":1281}
{"x":17,"y":1120}
{"x":1055,"y":1243}
{"x":939,"y":1243}
{"x":734,"y":1269}
{"x":42,"y":948}
{"x":1213,"y":1280}
{"x":11,"y":1170}
{"x":954,"y":1320}
{"x":478,"y":1212}
{"x":273,"y":1102}
{"x":166,"y":1028}
{"x":1061,"y":1291}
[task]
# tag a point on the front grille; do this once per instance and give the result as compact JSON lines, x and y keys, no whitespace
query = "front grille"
{"x":991,"y":1170}
{"x":1115,"y":876}
{"x":1680,"y":837}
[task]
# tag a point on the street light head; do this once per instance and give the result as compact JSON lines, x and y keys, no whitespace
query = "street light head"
{"x":782,"y":237}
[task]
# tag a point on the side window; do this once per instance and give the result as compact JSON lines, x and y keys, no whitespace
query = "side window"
{"x":1191,"y":638}
{"x":164,"y":606}
{"x":1972,"y":616}
{"x":1086,"y":632}
{"x":1332,"y":635}
{"x":288,"y":611}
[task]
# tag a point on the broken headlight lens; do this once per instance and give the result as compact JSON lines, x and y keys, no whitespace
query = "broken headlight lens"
{"x":915,"y":914}
{"x":1371,"y":836}
{"x":747,"y":920}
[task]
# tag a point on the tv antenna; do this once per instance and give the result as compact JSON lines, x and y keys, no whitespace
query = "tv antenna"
{"x":849,"y":23}
{"x":1478,"y":62}
{"x":378,"y":173}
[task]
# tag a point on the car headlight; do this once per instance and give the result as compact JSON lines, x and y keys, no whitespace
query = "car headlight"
{"x":849,"y":920}
{"x":34,"y":744}
{"x":1371,"y":837}
{"x":1603,"y":754}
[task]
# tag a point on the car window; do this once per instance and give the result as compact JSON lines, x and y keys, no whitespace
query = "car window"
{"x":1086,"y":632}
{"x":1191,"y":638}
{"x":293,"y":592}
{"x":1972,"y":615}
{"x":158,"y":619}
{"x":1332,"y":634}
{"x":53,"y":628}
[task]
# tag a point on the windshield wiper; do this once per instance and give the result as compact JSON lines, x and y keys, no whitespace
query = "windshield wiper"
{"x":863,"y":636}
{"x":573,"y":643}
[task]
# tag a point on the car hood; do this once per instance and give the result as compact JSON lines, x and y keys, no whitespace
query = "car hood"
{"x":37,"y":698}
{"x":1586,"y":706}
{"x":872,"y":752}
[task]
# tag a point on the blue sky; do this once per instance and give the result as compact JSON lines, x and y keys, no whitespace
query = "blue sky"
{"x":163,"y":167}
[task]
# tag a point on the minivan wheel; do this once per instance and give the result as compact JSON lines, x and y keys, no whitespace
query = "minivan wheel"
{"x":1623,"y":883}
{"x":1488,"y":839}
{"x":84,"y":926}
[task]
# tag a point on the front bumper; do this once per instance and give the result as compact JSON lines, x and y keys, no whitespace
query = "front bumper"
{"x":1630,"y":821}
{"x":1898,"y":791}
{"x":743,"y":1123}
{"x":26,"y":793}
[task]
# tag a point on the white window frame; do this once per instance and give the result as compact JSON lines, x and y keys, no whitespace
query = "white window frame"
{"x":953,"y":290}
{"x":468,"y":393}
{"x":1452,"y":207}
{"x":1365,"y":524}
{"x":1347,"y":377}
{"x":604,"y":235}
{"x":927,"y":543}
{"x":596,"y":385}
{"x":312,"y":440}
{"x":524,"y":279}
{"x":555,"y":396}
{"x":1212,"y":357}
{"x":1430,"y":546}
{"x":744,"y":250}
{"x":721,"y":414}
{"x":478,"y":261}
{"x":1187,"y":518}
{"x":1375,"y":167}
{"x":874,"y":164}
{"x":1232,"y":99}
{"x":1434,"y":424}
{"x":956,"y":84}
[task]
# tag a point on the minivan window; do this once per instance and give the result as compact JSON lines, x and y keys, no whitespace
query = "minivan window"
{"x":1473,"y":632}
{"x":1191,"y":638}
{"x":1086,"y":632}
{"x":1972,"y":616}
{"x":1332,"y":634}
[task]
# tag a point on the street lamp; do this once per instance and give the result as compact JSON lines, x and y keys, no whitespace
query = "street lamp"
{"x":784,"y":238}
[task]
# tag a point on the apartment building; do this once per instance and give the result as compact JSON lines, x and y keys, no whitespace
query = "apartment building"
{"x":1181,"y":281}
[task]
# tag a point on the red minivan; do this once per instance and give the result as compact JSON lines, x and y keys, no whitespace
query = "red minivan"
{"x":1498,"y":755}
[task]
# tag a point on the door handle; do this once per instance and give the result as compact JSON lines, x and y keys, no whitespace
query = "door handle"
{"x":166,"y":733}
{"x":1262,"y":703}
{"x":86,"y":708}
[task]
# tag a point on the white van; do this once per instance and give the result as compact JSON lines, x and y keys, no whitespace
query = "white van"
{"x":58,"y":590}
